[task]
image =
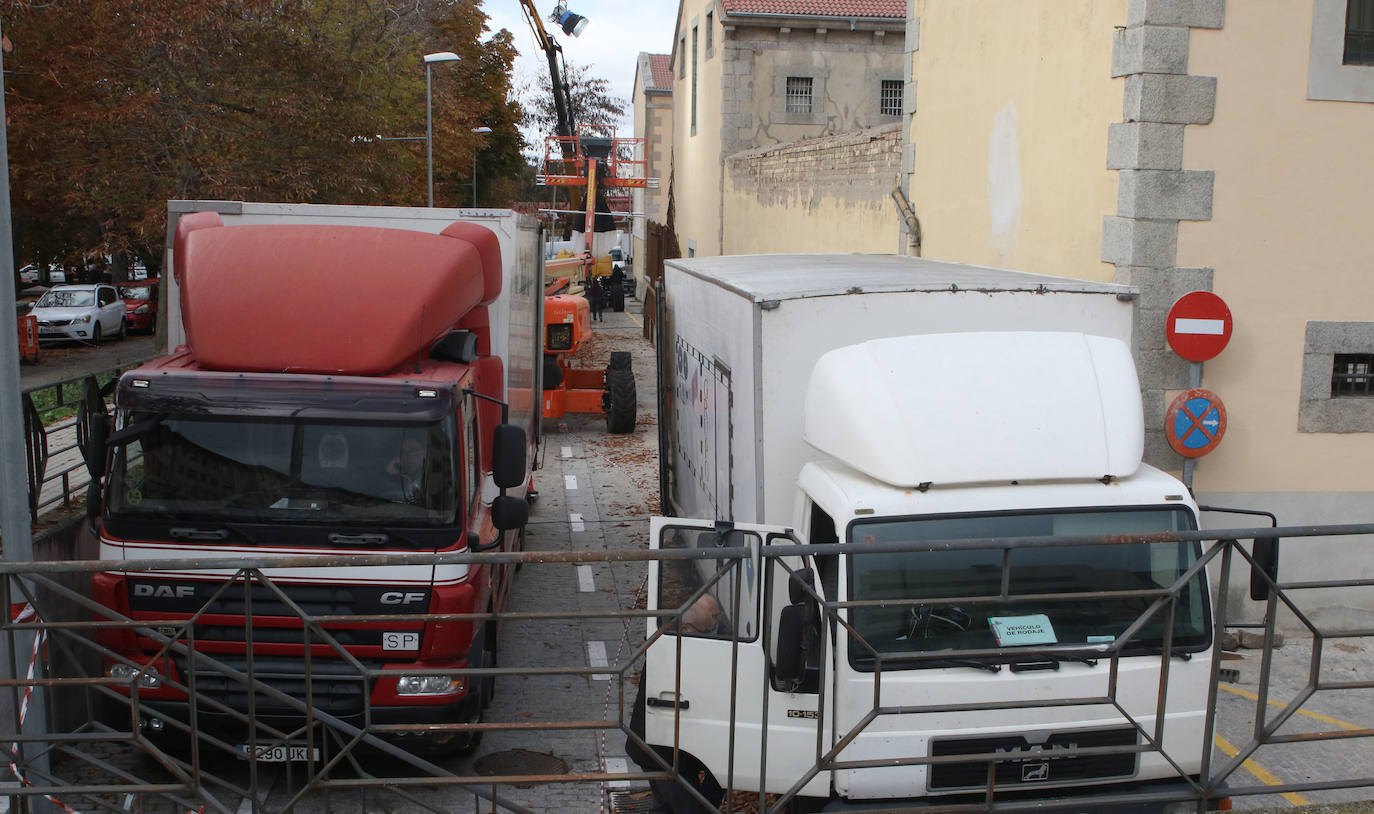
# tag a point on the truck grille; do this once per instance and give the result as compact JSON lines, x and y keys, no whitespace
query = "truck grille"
{"x":337,"y":688}
{"x":287,"y":635}
{"x":1032,"y":764}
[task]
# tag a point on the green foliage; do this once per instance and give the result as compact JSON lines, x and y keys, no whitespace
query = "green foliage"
{"x":116,"y":107}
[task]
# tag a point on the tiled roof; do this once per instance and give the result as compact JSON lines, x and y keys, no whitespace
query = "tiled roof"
{"x":819,"y":8}
{"x":662,"y":67}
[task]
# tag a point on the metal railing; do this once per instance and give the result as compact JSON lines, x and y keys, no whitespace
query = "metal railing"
{"x":112,"y":757}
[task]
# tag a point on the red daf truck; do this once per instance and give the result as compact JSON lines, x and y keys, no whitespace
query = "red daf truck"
{"x":353,"y":380}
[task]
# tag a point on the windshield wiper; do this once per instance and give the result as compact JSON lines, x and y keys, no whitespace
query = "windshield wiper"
{"x":1049,"y":661}
{"x":977,"y":664}
{"x":1178,"y":652}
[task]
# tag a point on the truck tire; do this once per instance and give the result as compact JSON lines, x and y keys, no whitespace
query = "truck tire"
{"x":618,"y":399}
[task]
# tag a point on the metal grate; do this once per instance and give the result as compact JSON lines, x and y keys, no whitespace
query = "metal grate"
{"x":798,"y":94}
{"x":1359,"y":33}
{"x":1352,"y":375}
{"x":890,"y":100}
{"x":1029,"y":764}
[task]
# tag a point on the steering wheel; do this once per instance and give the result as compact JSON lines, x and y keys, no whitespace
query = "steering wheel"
{"x":928,"y":622}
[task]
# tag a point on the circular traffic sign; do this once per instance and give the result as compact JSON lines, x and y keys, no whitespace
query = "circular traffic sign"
{"x":1198,"y":326}
{"x":1195,"y":423}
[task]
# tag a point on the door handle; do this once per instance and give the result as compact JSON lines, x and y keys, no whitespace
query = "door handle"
{"x":667,"y":702}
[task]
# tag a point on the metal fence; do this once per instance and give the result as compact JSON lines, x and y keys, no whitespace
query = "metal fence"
{"x":109,"y":758}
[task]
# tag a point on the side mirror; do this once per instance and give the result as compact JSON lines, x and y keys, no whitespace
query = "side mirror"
{"x":789,"y":668}
{"x":1266,"y":555}
{"x":508,"y":512}
{"x":93,"y":428}
{"x":797,"y":594}
{"x":507,"y":457}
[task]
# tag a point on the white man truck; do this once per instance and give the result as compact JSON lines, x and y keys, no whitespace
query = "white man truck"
{"x":871,"y":430}
{"x":353,"y":380}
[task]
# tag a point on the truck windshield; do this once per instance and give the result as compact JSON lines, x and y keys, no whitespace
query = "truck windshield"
{"x":281,"y":470}
{"x":934,"y":588}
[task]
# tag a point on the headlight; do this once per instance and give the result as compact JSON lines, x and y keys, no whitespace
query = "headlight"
{"x":142,"y":309}
{"x":82,"y":319}
{"x":428,"y":685}
{"x":128,"y":673}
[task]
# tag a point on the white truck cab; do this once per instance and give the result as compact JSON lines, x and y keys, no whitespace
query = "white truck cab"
{"x":973,"y":590}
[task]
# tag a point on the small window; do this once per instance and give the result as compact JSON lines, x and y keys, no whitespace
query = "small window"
{"x":1352,"y":375}
{"x":682,"y":59}
{"x":710,"y":35}
{"x":1359,"y":32}
{"x":695,"y":72}
{"x":890,"y":99}
{"x":798,"y":94}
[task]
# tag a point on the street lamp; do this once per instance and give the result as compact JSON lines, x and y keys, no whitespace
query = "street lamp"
{"x":481,"y":131}
{"x":430,"y":59}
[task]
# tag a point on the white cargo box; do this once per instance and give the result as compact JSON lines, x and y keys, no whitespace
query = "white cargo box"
{"x":741,"y":335}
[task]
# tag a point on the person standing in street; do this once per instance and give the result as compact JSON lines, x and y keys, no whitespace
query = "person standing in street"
{"x":596,"y":297}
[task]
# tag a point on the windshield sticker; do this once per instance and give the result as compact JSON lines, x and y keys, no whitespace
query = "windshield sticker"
{"x":1012,"y":631}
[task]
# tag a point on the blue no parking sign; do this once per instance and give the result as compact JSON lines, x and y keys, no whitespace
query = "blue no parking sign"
{"x":1195,"y":423}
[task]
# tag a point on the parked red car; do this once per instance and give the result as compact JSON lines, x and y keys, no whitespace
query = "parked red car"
{"x":140,"y":305}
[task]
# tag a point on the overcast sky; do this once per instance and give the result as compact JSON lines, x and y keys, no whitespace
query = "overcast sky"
{"x":617,"y":30}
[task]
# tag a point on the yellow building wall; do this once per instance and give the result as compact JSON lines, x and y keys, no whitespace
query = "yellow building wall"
{"x":1290,"y":240}
{"x":822,"y":195}
{"x":697,"y":155}
{"x":1013,"y":100}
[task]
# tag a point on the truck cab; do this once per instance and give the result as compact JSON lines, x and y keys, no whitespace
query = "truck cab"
{"x":982,"y":591}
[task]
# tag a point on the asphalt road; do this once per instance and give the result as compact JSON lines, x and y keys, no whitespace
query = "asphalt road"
{"x":62,"y":361}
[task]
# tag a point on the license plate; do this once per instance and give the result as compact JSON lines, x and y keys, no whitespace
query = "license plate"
{"x":281,"y":753}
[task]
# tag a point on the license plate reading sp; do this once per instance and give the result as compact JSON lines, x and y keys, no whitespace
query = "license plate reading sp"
{"x":409,"y":640}
{"x":281,"y":753}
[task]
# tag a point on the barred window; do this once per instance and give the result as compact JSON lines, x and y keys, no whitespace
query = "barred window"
{"x":1352,"y":375}
{"x":798,"y":94}
{"x":890,"y":98}
{"x":1359,"y":32}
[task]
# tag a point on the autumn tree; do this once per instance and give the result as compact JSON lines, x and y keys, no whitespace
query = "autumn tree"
{"x":115,"y":108}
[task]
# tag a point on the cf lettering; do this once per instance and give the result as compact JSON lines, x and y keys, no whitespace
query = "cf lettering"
{"x":402,"y":597}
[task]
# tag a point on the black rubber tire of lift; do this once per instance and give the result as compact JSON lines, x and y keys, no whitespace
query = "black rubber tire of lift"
{"x":618,"y":401}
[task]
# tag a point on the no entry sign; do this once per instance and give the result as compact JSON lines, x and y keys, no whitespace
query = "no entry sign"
{"x":1195,"y":423}
{"x":1198,"y":326}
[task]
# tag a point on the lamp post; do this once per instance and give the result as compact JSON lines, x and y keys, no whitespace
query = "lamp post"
{"x":430,"y":59}
{"x":481,"y":131}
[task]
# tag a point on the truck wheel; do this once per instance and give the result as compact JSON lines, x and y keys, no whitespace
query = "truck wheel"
{"x":618,"y":400}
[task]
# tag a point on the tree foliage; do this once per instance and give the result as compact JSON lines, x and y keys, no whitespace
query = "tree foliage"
{"x":113,"y":108}
{"x":594,"y":110}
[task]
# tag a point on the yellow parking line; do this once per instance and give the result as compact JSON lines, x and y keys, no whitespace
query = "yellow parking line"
{"x":1262,"y":774}
{"x":1326,"y":719}
{"x":632,"y":319}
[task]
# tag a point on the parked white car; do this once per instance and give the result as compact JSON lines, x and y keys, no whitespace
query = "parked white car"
{"x":83,"y":312}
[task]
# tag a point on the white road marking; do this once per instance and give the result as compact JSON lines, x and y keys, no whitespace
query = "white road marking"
{"x":576,"y":520}
{"x":596,"y":657}
{"x":1208,"y":327}
{"x":585,"y":583}
{"x":570,"y":481}
{"x":567,"y":452}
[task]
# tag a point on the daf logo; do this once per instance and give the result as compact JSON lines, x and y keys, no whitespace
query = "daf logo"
{"x":402,"y":598}
{"x":1031,"y":772}
{"x":164,"y":591}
